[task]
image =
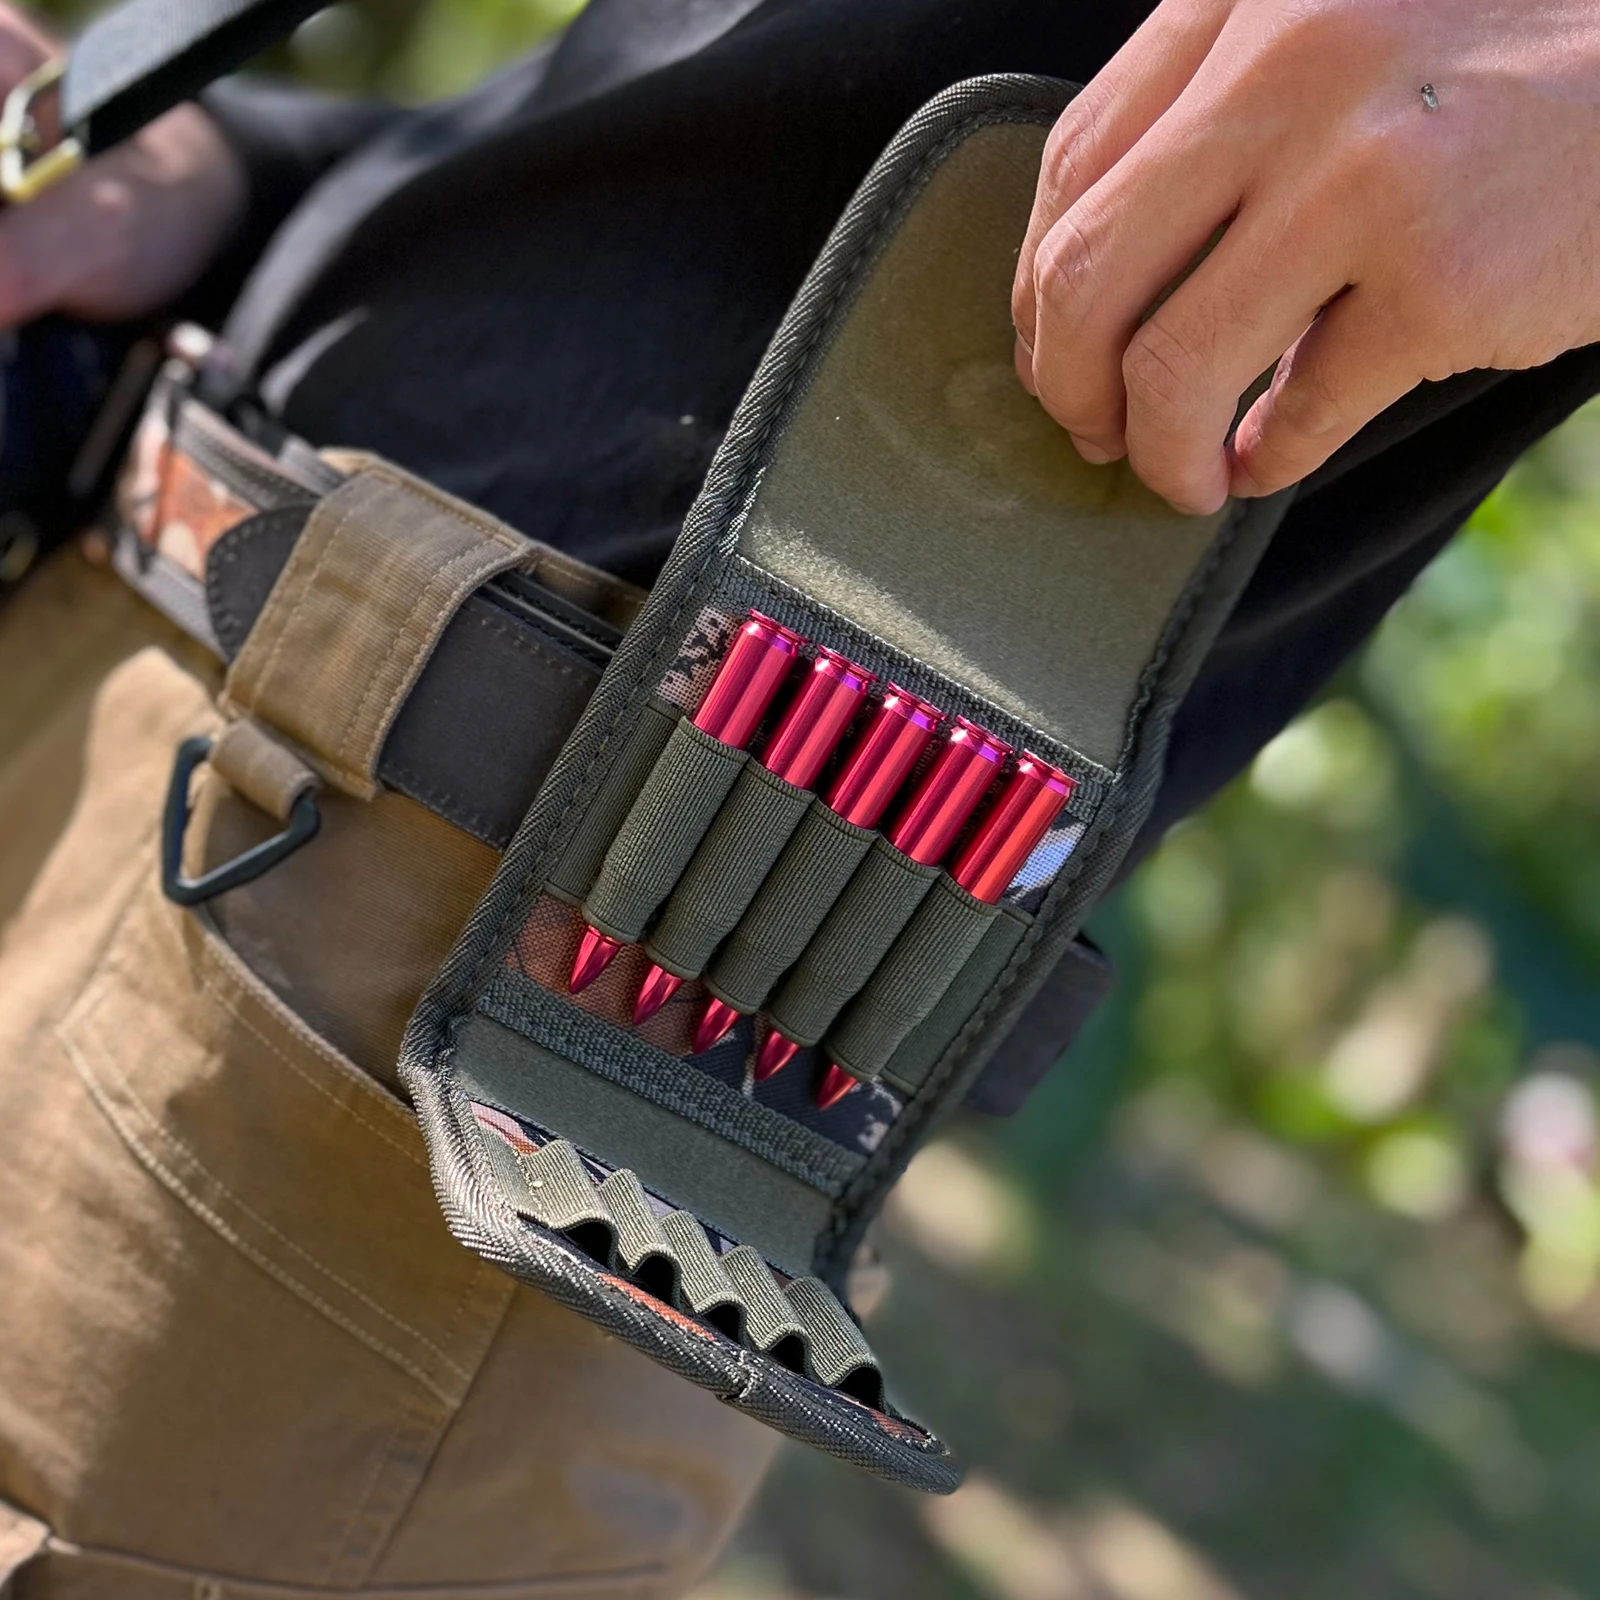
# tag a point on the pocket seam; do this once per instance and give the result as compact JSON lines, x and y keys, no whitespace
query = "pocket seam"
{"x":230,"y":1585}
{"x":81,"y":1016}
{"x":215,"y":951}
{"x":80,"y":1019}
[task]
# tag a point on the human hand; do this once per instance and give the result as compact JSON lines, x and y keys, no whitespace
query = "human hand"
{"x":1371,"y":240}
{"x":131,"y":229}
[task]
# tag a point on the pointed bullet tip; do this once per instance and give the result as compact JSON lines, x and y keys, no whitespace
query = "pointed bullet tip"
{"x":715,"y":1021}
{"x":594,"y":955}
{"x":658,"y":987}
{"x":836,"y":1084}
{"x":777,"y":1051}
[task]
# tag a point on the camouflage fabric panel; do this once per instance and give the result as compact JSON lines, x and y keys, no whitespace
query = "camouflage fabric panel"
{"x":696,"y":662}
{"x":171,"y":503}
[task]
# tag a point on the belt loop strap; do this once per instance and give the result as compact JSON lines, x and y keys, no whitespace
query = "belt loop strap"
{"x":383,"y":565}
{"x":268,"y":774}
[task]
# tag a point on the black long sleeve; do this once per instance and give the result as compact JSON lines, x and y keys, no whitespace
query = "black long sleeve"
{"x":287,"y":139}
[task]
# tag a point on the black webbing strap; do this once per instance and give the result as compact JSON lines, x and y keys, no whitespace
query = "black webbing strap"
{"x":145,"y":56}
{"x":138,"y":60}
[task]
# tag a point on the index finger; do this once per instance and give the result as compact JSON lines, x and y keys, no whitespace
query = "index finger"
{"x":1126,"y":97}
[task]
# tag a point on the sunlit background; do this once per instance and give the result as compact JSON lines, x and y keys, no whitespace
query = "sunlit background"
{"x":1287,"y":1283}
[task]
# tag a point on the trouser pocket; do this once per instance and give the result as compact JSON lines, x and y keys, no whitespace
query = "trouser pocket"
{"x":239,"y":1350}
{"x":285,"y":1326}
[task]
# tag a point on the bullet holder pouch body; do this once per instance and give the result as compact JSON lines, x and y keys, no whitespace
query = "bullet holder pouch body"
{"x":886,"y":491}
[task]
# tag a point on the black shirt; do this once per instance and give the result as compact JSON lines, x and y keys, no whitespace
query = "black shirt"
{"x":548,"y":296}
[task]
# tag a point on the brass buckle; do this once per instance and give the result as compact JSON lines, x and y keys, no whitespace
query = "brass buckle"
{"x":26,"y":167}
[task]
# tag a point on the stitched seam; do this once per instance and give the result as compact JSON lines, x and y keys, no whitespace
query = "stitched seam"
{"x":428,"y":789}
{"x":414,"y":650}
{"x":225,"y":553}
{"x":352,"y":1075}
{"x":86,"y":1017}
{"x":178,"y":1147}
{"x":252,"y":479}
{"x":561,"y":1584}
{"x":260,"y":1258}
{"x":228,"y":552}
{"x":244,"y":1022}
{"x":573,"y":620}
{"x":460,"y":510}
{"x":194,"y":436}
{"x":478,"y":571}
{"x":358,"y":1509}
{"x":581,"y":1038}
{"x":280,"y":630}
{"x":443,"y":802}
{"x":519,"y":637}
{"x":481,"y":1272}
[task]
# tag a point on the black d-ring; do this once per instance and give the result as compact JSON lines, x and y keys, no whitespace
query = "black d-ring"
{"x":304,"y":820}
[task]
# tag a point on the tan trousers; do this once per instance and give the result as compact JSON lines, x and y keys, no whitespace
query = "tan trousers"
{"x":239,"y":1353}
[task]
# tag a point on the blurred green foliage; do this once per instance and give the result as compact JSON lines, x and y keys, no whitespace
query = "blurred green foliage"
{"x":413,"y":50}
{"x":1285,"y":1285}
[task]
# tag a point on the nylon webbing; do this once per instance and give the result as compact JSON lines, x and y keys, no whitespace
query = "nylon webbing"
{"x":383,"y":565}
{"x":665,"y":824}
{"x":268,"y":774}
{"x":801,"y":1320}
{"x":144,"y":57}
{"x":727,"y":869}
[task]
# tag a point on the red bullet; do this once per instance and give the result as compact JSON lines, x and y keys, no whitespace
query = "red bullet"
{"x":658,"y":987}
{"x":833,"y":690}
{"x":747,"y":681}
{"x":958,"y":779}
{"x":713,"y":1025}
{"x":836,"y":1084}
{"x":1032,"y":799}
{"x":813,"y":726}
{"x":595,"y":951}
{"x":777,"y":1051}
{"x":882,"y":758}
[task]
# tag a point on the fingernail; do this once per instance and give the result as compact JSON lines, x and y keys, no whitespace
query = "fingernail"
{"x":1092,"y":453}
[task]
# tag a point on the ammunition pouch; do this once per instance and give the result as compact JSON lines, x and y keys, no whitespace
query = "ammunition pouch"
{"x":886,"y":490}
